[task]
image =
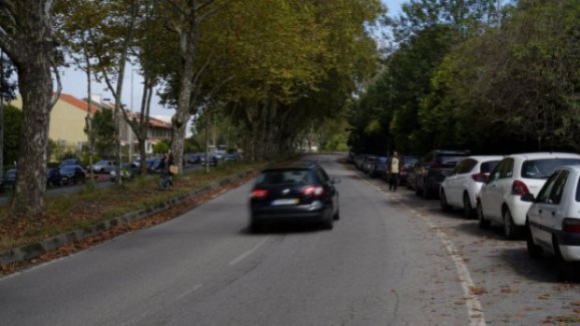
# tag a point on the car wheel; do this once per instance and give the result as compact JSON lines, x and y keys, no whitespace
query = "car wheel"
{"x":443,"y":201}
{"x":510,"y":229}
{"x":256,"y":227}
{"x":467,"y":209}
{"x":329,"y":224}
{"x":337,"y":214}
{"x":534,"y":251}
{"x":417,"y":190}
{"x":483,"y":223}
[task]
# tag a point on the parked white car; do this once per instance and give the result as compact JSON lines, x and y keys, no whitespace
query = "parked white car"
{"x":461,"y":188}
{"x":516,"y":175}
{"x":553,"y":223}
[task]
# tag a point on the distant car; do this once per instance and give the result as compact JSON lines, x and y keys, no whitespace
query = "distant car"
{"x":461,"y":188}
{"x":379,"y":168}
{"x":9,"y":179}
{"x":128,"y":172}
{"x":368,"y":163}
{"x":72,"y":174}
{"x":194,"y":158}
{"x":153,"y":165}
{"x":69,"y":161}
{"x":433,"y":168}
{"x":103,"y":166}
{"x":500,"y":199}
{"x":213,"y":160}
{"x":53,"y":177}
{"x":298,"y":193}
{"x":231,"y":158}
{"x":553,"y":219}
{"x":407,"y":163}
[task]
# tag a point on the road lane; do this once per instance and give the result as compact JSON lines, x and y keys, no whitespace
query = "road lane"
{"x":380,"y":265}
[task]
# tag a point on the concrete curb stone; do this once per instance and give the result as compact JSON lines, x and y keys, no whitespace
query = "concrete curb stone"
{"x":31,"y":251}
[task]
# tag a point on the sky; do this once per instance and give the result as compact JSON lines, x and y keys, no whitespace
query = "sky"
{"x":74,"y":82}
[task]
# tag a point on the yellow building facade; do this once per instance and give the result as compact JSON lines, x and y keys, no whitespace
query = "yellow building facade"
{"x":67,"y":120}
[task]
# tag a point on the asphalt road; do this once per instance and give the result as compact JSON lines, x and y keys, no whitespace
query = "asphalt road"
{"x":392,"y":259}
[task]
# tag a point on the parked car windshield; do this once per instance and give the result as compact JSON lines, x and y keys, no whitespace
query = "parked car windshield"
{"x":68,"y":169}
{"x":543,"y":168}
{"x":276,"y":177}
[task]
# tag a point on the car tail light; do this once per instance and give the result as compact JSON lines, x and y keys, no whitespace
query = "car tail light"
{"x":403,"y":169}
{"x":519,"y":188}
{"x":259,"y":193}
{"x":312,"y":191}
{"x":479,"y":177}
{"x":435,"y":165}
{"x":571,"y":225}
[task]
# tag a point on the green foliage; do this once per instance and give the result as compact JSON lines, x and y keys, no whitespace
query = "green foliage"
{"x":161,"y":147}
{"x":103,"y":132}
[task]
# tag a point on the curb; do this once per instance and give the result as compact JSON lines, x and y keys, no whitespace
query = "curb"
{"x":34,"y":250}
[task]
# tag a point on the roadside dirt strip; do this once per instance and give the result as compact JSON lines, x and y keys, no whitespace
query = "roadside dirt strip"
{"x":69,"y":243}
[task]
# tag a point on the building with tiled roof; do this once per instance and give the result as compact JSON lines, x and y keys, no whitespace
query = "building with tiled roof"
{"x":67,"y":122}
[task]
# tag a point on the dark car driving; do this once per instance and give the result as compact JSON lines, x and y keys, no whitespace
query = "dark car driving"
{"x":295,"y":193}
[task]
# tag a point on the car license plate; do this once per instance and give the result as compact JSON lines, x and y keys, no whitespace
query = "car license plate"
{"x":279,"y":202}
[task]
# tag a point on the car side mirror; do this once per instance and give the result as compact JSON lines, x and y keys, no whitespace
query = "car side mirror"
{"x":528,"y":198}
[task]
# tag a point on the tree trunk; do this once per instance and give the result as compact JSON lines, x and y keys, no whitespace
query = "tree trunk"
{"x":34,"y":81}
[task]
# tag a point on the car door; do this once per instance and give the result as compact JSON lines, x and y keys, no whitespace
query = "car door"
{"x":553,"y":212}
{"x":502,"y":188}
{"x":451,"y":183}
{"x":538,"y":212}
{"x":490,"y":195}
{"x":461,"y":180}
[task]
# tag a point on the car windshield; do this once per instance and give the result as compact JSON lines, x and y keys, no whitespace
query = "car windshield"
{"x":543,"y":168}
{"x":278,"y":177}
{"x":11,"y":173}
{"x":486,"y":167}
{"x":68,"y":169}
{"x":410,"y":161}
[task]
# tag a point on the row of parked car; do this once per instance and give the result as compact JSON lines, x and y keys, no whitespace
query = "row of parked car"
{"x":531,"y":195}
{"x":377,"y":166}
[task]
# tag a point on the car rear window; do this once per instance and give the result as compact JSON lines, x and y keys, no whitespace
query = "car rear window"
{"x":449,"y":160}
{"x":543,"y":168}
{"x":278,"y":177}
{"x":486,"y":167}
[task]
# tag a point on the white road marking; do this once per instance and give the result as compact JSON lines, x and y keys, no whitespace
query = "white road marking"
{"x":472,"y":303}
{"x":247,"y":253}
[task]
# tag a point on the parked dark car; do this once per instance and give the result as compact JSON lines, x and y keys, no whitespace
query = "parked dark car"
{"x":368,"y":163}
{"x":213,"y":160}
{"x":153,"y":165}
{"x":231,"y":158}
{"x":53,"y":178}
{"x":9,"y":179}
{"x":194,"y":158}
{"x":72,"y":174}
{"x":294,"y":193}
{"x":128,"y":172}
{"x":69,"y":161}
{"x":103,"y":166}
{"x":433,"y":168}
{"x":406,"y":166}
{"x":379,"y":168}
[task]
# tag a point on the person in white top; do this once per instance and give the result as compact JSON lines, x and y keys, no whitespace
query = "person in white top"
{"x":394,"y":172}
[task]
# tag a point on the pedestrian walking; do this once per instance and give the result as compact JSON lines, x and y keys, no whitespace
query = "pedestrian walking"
{"x":394,"y":172}
{"x":165,"y":180}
